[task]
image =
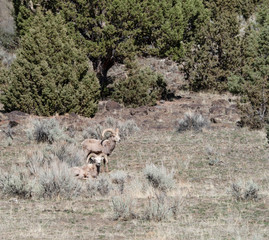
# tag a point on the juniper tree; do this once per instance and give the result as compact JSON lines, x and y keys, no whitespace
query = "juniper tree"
{"x":116,"y":30}
{"x":216,"y":54}
{"x":51,"y":73}
{"x":255,"y":70}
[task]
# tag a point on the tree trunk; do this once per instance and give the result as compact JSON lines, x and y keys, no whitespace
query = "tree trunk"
{"x":101,"y":67}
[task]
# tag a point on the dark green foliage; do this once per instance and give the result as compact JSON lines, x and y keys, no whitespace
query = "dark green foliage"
{"x":141,"y":87}
{"x":113,"y":31}
{"x":216,"y":55}
{"x":51,"y":72}
{"x":255,"y":70}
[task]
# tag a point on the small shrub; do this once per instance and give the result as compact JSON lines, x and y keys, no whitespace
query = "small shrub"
{"x":94,"y":131}
{"x":46,"y":130}
{"x":123,"y":208}
{"x":16,"y":183}
{"x":70,"y":154}
{"x":159,"y":177}
{"x":244,"y":193}
{"x":192,"y":121}
{"x":162,"y":208}
{"x":127,"y":128}
{"x":57,"y":180}
{"x":119,"y":178}
{"x":103,"y":185}
{"x":34,"y":161}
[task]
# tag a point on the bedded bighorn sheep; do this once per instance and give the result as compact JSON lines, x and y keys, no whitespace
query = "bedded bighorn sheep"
{"x":92,"y":169}
{"x":102,"y":146}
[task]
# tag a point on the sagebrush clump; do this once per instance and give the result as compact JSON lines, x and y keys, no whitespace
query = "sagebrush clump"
{"x":119,"y":177}
{"x":45,"y":130}
{"x":57,"y":180}
{"x":16,"y":183}
{"x":244,"y":192}
{"x":161,"y":208}
{"x":159,"y":177}
{"x":123,"y":208}
{"x":192,"y":121}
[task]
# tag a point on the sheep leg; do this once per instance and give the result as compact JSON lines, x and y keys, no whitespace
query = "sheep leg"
{"x":106,"y":163}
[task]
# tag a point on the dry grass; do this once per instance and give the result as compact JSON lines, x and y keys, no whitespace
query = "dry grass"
{"x":207,"y":209}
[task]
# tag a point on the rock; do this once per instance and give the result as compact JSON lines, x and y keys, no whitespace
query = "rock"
{"x":3,"y":117}
{"x":215,"y":120}
{"x":12,"y":124}
{"x":73,"y":115}
{"x":220,"y":102}
{"x":15,"y":115}
{"x":217,"y":110}
{"x":112,"y":105}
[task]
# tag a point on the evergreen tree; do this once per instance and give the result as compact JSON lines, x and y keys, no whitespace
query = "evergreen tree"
{"x":140,"y":87}
{"x":255,"y":70}
{"x":216,"y":54}
{"x":51,"y":73}
{"x":116,"y":30}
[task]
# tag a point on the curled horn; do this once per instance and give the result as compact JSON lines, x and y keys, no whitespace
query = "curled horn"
{"x":90,"y":155}
{"x":102,"y":155}
{"x":108,"y":130}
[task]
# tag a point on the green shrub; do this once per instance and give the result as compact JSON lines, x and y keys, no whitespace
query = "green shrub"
{"x":159,"y":177}
{"x":141,"y":87}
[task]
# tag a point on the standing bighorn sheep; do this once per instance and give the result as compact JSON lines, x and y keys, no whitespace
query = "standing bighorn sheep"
{"x":102,"y":146}
{"x":92,"y":169}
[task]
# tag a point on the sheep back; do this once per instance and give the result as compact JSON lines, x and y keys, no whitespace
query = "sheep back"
{"x":92,"y":145}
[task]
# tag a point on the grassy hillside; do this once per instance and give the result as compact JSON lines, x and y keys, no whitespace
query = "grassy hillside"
{"x":200,"y":205}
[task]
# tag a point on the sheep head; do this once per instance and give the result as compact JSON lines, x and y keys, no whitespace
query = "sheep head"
{"x":114,"y":134}
{"x":97,"y":159}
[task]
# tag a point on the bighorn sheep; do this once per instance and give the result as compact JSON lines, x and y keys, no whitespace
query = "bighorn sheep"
{"x":92,"y":169}
{"x":102,"y":146}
